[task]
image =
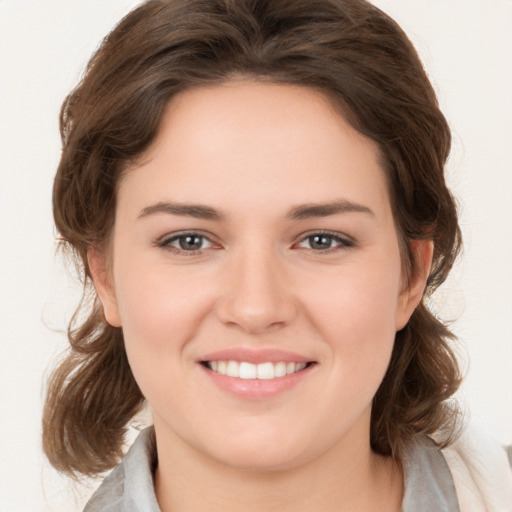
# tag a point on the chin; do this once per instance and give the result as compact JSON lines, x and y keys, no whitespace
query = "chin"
{"x":261,"y":452}
{"x":255,"y":460}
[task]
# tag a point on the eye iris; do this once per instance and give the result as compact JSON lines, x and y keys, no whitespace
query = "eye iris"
{"x":320,"y":241}
{"x":191,"y":242}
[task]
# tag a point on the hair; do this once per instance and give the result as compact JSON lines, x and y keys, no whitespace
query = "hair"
{"x":364,"y":63}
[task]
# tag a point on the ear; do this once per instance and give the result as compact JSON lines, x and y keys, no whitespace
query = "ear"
{"x":102,"y":278}
{"x":422,"y":252}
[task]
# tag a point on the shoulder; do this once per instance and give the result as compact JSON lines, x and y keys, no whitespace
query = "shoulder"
{"x":428,"y":483}
{"x":481,"y":471}
{"x":109,"y":496}
{"x":129,"y":487}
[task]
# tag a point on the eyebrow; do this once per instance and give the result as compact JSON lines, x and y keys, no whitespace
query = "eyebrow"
{"x":301,"y":212}
{"x":197,"y":211}
{"x":307,"y":211}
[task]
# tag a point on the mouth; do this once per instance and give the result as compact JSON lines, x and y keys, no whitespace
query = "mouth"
{"x":257,"y":374}
{"x":267,"y":370}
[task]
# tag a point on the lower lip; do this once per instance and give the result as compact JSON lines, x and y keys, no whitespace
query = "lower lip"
{"x":257,"y":389}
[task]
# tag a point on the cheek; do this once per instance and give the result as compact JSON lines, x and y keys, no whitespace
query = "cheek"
{"x":158,"y":323}
{"x":354,"y":301}
{"x":141,"y":304}
{"x":159,"y":315}
{"x":355,"y":314}
{"x":156,"y":300}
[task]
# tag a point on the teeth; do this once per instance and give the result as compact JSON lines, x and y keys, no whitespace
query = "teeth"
{"x":248,"y":371}
{"x":280,"y":369}
{"x":264,"y":371}
{"x":233,"y":369}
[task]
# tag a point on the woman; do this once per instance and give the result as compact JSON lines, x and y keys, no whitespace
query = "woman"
{"x":256,"y":191}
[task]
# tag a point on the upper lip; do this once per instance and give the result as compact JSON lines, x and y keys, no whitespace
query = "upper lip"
{"x":255,"y":356}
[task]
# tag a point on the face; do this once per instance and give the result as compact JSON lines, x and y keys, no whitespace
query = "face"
{"x":256,"y":273}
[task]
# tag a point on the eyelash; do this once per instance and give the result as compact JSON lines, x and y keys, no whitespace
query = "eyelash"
{"x":167,"y":241}
{"x":342,"y":243}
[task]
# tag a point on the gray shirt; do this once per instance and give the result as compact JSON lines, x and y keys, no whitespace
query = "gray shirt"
{"x":129,"y":488}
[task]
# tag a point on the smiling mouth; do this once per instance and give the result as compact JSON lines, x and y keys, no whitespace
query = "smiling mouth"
{"x":261,"y":371}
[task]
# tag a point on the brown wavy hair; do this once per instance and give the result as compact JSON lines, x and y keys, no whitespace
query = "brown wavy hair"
{"x":347,"y":49}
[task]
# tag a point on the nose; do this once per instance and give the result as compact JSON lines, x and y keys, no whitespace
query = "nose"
{"x":256,"y":296}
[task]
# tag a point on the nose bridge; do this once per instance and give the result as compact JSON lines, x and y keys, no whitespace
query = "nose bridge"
{"x":256,"y":297}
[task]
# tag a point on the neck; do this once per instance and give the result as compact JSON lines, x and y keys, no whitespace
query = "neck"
{"x":349,"y":477}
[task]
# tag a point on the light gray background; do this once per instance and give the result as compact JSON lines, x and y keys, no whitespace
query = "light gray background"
{"x":467,"y":48}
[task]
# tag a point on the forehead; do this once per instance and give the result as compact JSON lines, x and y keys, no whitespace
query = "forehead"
{"x":257,"y":142}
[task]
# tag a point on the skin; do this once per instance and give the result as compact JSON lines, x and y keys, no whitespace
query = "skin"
{"x":254,"y":152}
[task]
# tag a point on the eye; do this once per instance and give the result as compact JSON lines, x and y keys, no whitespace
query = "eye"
{"x":186,"y":242}
{"x":324,"y":242}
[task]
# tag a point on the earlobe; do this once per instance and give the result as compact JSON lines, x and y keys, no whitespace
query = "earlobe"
{"x":422,"y":252}
{"x":102,"y":280}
